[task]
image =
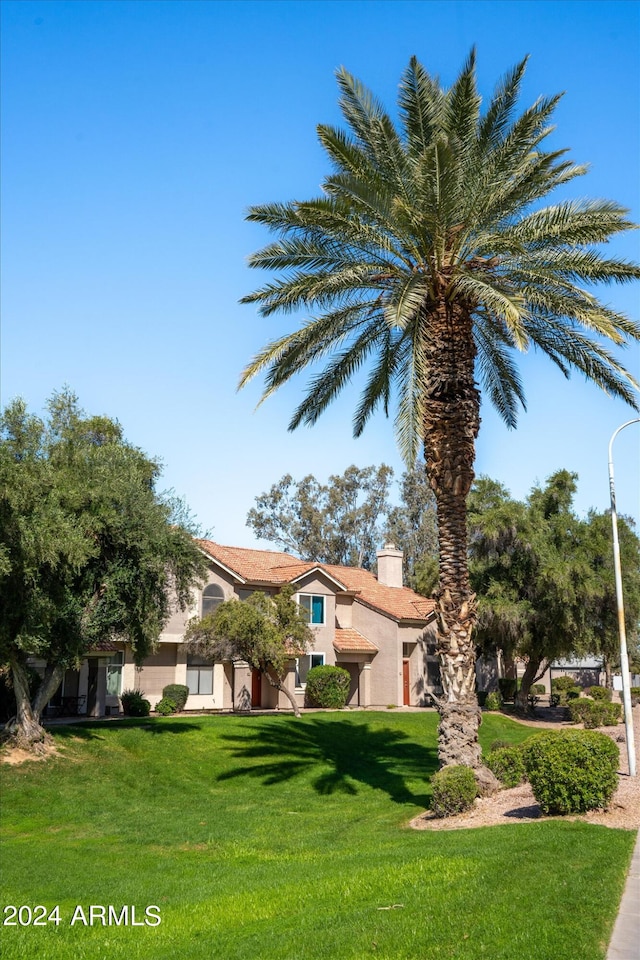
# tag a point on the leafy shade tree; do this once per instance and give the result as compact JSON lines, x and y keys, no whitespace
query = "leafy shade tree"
{"x":338,"y":522}
{"x":431,"y":258}
{"x":543,"y":576}
{"x":87,"y":550}
{"x":603,"y":613}
{"x":264,"y":631}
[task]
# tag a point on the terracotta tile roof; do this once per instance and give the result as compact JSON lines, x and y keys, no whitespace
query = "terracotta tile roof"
{"x":401,"y":603}
{"x":262,"y":566}
{"x":350,"y":641}
{"x":270,"y":566}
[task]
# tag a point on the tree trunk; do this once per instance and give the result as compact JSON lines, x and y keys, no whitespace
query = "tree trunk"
{"x":279,"y":685}
{"x":529,"y":677}
{"x":25,"y":729}
{"x":451,"y":423}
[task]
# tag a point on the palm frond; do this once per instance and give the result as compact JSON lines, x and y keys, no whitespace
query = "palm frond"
{"x":430,"y":232}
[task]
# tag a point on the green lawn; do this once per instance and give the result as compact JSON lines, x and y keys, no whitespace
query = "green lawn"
{"x":270,"y":837}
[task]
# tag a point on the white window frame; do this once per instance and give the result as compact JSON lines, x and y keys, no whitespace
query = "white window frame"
{"x":201,"y":668}
{"x":115,"y":665}
{"x":311,"y":597}
{"x":320,"y":657}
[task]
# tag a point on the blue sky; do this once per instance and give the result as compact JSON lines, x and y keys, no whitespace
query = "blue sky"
{"x":136,"y":134}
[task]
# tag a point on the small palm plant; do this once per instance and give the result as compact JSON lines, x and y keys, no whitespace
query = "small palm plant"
{"x":432,"y":258}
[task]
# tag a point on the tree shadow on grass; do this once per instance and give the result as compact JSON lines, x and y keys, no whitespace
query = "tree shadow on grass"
{"x":344,"y":753}
{"x":92,"y":730}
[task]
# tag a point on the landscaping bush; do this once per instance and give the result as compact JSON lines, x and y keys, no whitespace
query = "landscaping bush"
{"x":538,"y":689}
{"x":507,"y":687}
{"x":573,"y":771}
{"x":177,"y":692}
{"x":166,"y":706}
{"x":482,"y":697}
{"x":134,"y":704}
{"x":594,"y":713}
{"x":566,"y":689}
{"x":454,"y":790}
{"x":599,"y":693}
{"x":635,"y":696}
{"x":327,"y":687}
{"x":507,"y":763}
{"x":493,"y":701}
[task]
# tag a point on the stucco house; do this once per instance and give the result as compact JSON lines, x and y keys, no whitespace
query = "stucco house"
{"x":382,"y":632}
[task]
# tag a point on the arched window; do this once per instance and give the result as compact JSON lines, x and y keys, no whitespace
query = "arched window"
{"x":212,"y":595}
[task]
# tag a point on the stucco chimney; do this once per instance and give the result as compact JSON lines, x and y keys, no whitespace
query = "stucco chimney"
{"x":390,"y":565}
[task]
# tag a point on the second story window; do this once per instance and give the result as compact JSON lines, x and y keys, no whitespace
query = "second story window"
{"x":312,"y":607}
{"x":212,"y":596}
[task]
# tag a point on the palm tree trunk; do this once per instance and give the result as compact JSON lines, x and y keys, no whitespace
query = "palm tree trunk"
{"x":451,"y":423}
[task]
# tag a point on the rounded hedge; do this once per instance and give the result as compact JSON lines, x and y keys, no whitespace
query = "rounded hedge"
{"x":454,"y":790}
{"x":166,"y":706}
{"x":493,"y":701}
{"x":327,"y":687}
{"x":594,"y":713}
{"x":178,"y":692}
{"x":573,"y":771}
{"x":596,"y":692}
{"x":507,"y":763}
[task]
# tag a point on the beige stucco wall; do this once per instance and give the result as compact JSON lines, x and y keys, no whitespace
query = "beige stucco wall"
{"x":419,"y":639}
{"x":323,"y":635}
{"x":157,"y":672}
{"x":386,"y":667}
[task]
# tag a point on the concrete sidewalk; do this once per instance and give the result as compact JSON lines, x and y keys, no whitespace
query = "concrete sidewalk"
{"x":625,"y":941}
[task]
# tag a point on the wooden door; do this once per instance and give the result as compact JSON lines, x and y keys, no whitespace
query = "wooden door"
{"x":406,"y":687}
{"x":256,"y":688}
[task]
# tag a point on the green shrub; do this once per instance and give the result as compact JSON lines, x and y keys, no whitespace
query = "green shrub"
{"x":507,"y":764}
{"x":635,"y":696}
{"x":594,"y":713}
{"x":493,"y":701}
{"x":499,"y":744}
{"x":538,"y":689}
{"x":566,"y":688}
{"x":572,"y":771}
{"x":177,"y":692}
{"x":507,"y":687}
{"x":599,"y":693}
{"x":327,"y":687}
{"x":454,"y":790}
{"x":134,"y":704}
{"x":166,"y":706}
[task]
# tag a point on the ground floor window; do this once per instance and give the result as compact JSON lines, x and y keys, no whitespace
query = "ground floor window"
{"x":114,"y":674}
{"x":304,"y":664}
{"x":199,"y":676}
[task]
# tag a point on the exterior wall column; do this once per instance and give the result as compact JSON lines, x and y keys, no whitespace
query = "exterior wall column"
{"x":364,"y":685}
{"x":241,"y":686}
{"x":181,"y":665}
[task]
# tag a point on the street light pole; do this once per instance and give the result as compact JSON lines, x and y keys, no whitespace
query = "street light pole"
{"x":624,"y":659}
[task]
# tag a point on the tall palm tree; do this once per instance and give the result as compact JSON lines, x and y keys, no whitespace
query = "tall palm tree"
{"x":431,"y":257}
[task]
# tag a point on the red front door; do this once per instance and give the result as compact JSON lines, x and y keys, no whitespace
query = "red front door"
{"x":406,"y":689}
